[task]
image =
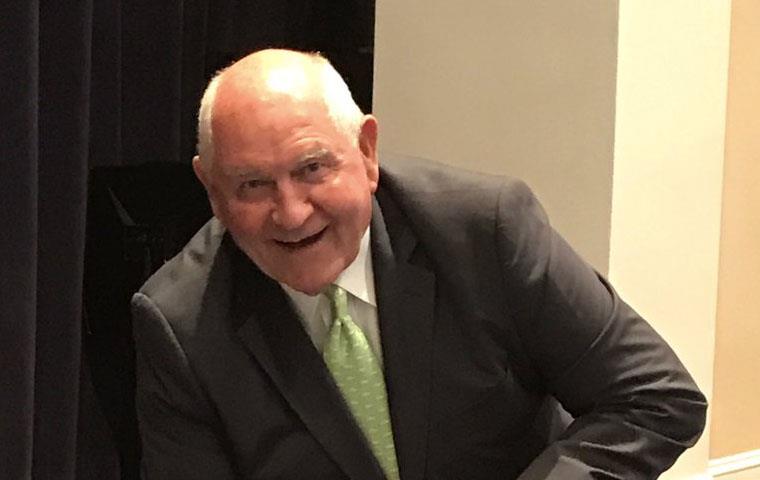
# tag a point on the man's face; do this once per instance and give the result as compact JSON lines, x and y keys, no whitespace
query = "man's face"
{"x":292,"y":190}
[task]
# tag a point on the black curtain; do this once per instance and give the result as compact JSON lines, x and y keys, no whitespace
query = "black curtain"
{"x":151,"y":61}
{"x":92,"y":95}
{"x":45,"y":130}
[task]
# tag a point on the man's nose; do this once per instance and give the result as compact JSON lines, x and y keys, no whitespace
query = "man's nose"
{"x":292,"y":207}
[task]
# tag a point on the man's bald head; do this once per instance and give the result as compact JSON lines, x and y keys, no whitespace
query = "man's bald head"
{"x":286,"y":77}
{"x":289,"y":164}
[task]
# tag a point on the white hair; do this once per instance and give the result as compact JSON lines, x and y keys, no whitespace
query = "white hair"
{"x":341,"y":107}
{"x":205,"y":133}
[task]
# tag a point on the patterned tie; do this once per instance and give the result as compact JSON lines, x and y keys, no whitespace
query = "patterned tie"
{"x":358,"y":375}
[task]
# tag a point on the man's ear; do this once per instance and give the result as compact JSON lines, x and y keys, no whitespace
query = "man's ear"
{"x":204,"y":177}
{"x":200,"y":173}
{"x":368,"y":148}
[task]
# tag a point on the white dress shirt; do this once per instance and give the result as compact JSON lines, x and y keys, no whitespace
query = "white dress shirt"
{"x":358,"y":281}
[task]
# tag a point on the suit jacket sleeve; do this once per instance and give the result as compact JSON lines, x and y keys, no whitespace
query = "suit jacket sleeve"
{"x":635,"y":406}
{"x":176,"y":424}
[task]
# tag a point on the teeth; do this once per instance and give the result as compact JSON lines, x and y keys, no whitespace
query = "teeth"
{"x":303,"y":239}
{"x":296,"y":241}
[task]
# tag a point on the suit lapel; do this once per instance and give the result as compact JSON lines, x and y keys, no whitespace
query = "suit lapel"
{"x":272,"y":332}
{"x":405,"y":291}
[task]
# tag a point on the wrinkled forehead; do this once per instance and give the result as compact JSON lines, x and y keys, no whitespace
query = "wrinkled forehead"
{"x":248,"y":124}
{"x":241,"y":114}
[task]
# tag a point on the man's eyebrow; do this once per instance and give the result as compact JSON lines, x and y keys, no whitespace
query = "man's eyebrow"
{"x":248,"y":171}
{"x":311,"y":155}
{"x":243,"y":171}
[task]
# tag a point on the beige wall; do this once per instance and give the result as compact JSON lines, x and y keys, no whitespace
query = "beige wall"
{"x":510,"y":87}
{"x":735,"y":424}
{"x":559,"y":92}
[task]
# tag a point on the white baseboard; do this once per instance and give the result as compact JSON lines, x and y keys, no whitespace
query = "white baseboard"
{"x":701,"y":476}
{"x":741,"y":466}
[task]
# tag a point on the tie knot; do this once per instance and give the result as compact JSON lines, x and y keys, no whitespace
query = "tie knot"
{"x":338,"y":301}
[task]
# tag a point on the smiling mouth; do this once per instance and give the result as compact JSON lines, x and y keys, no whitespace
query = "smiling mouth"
{"x":304,"y":242}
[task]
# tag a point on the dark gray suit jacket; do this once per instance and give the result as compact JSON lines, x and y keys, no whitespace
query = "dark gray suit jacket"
{"x":486,"y":315}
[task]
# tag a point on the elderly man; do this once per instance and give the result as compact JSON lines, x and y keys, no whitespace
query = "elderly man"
{"x":338,"y":318}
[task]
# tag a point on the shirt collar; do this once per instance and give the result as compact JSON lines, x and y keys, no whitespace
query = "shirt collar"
{"x":358,"y":278}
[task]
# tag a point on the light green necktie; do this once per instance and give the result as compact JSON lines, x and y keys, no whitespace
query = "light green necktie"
{"x":357,"y":372}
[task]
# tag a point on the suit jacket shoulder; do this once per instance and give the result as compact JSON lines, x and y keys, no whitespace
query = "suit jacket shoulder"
{"x":447,"y":206}
{"x":179,"y":287}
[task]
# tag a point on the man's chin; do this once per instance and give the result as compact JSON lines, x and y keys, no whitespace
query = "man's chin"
{"x":307,"y":282}
{"x":309,"y":291}
{"x":309,"y":288}
{"x":309,"y":274}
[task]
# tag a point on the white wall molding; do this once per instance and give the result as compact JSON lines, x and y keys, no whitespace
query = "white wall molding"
{"x":701,"y":476}
{"x":667,"y":185}
{"x":720,"y":468}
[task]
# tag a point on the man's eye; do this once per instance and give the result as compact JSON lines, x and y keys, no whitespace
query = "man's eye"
{"x":252,"y":184}
{"x":312,"y":171}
